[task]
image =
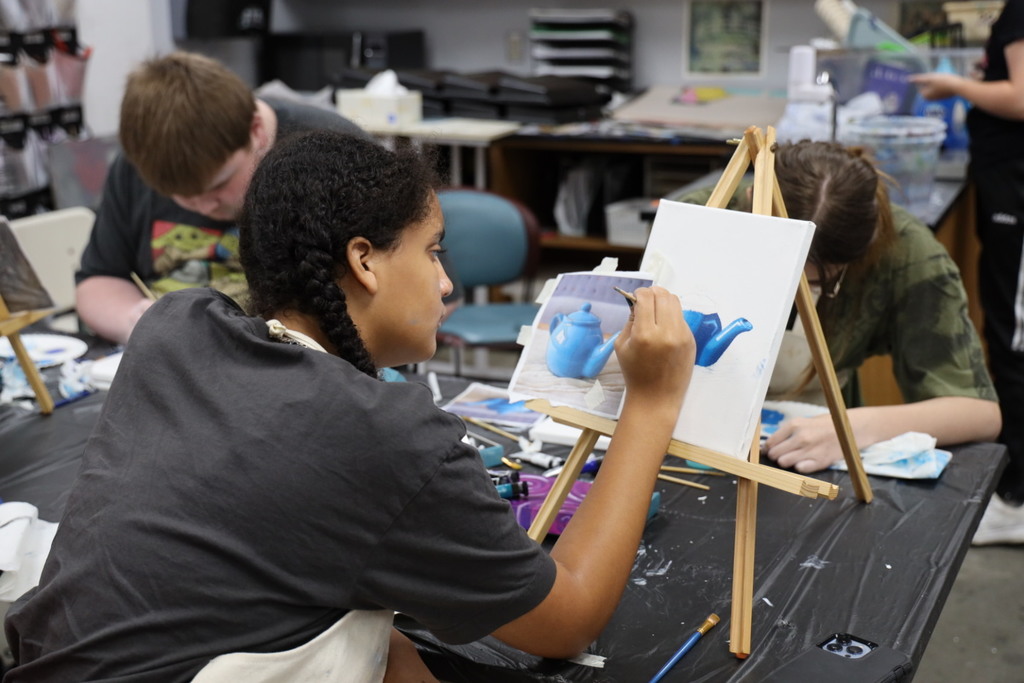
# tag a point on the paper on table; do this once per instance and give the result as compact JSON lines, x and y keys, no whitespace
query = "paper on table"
{"x":102,"y":372}
{"x":721,"y":118}
{"x":908,"y":456}
{"x":492,"y":404}
{"x":550,"y":432}
{"x":24,"y":544}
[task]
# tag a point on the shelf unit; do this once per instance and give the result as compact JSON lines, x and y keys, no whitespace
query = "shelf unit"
{"x":596,"y":44}
{"x":40,"y":103}
{"x":528,"y":168}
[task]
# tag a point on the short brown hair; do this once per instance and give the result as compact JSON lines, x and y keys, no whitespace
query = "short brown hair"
{"x":182,"y":116}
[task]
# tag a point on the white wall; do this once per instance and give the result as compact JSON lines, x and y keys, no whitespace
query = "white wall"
{"x":468,"y":35}
{"x":121,"y":34}
{"x":462,"y":35}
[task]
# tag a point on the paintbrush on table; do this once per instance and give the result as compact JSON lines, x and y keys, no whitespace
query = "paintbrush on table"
{"x":684,"y":482}
{"x":686,"y":647}
{"x":691,"y":470}
{"x":488,"y":426}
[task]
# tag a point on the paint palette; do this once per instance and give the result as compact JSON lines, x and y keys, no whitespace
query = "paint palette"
{"x":46,"y":350}
{"x":527,"y":508}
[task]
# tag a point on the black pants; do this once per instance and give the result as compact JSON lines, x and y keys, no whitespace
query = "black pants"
{"x":1000,"y":216}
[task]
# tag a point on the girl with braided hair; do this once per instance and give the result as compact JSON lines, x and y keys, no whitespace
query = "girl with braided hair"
{"x":255,"y":502}
{"x":885,"y":286}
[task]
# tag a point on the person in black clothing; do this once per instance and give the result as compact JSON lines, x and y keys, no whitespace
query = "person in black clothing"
{"x":995,"y":125}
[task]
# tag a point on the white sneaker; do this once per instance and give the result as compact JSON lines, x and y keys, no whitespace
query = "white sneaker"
{"x":1001,"y":524}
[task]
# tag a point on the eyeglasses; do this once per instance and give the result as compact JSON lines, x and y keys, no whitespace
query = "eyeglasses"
{"x":836,"y":284}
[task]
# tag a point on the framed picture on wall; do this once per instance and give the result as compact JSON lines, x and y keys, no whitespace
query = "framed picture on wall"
{"x":724,"y":39}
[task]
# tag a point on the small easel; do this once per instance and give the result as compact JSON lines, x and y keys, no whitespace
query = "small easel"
{"x":754,"y":148}
{"x":10,"y":326}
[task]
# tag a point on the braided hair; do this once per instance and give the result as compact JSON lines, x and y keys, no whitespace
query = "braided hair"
{"x":310,"y":195}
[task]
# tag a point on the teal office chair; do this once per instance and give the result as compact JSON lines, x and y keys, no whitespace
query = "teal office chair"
{"x":491,"y":241}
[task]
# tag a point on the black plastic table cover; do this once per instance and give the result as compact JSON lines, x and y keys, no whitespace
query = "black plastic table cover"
{"x":880,"y":571}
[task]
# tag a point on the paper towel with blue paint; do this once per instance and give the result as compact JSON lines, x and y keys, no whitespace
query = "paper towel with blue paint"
{"x":908,"y":456}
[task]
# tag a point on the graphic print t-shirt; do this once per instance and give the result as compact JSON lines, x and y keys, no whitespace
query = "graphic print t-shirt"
{"x":193,"y":256}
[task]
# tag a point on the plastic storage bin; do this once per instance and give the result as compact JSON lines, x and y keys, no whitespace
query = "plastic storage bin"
{"x":906,"y":148}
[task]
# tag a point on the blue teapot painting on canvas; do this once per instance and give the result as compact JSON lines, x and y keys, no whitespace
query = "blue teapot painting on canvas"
{"x":711,"y":337}
{"x":576,"y":347}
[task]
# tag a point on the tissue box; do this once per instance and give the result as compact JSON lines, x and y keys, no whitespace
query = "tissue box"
{"x":380,"y":111}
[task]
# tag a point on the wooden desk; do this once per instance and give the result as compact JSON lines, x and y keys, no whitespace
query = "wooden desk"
{"x":956,"y":230}
{"x":454,"y":133}
{"x":583,"y":253}
{"x":529,"y":168}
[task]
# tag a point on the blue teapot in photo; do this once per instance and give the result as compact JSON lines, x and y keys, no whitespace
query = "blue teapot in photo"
{"x":712,"y":339}
{"x":576,"y":347}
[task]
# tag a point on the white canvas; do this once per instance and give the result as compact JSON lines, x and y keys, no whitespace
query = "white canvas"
{"x":742,"y":268}
{"x":739,"y":266}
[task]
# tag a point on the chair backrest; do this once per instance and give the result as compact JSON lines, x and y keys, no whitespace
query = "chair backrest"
{"x":491,"y":240}
{"x":53,"y":243}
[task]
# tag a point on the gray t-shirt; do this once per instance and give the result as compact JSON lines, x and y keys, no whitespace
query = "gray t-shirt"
{"x":241,"y":494}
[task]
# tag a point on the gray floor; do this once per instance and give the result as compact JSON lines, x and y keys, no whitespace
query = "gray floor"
{"x":980,"y":635}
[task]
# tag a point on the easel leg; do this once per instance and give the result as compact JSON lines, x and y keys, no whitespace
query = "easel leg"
{"x":833,"y":393}
{"x":35,"y":380}
{"x":9,"y":326}
{"x":563,"y":484}
{"x":740,"y":623}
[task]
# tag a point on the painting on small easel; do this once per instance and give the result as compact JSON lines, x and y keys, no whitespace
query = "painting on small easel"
{"x":736,"y":276}
{"x":19,"y":285}
{"x":570,"y":358}
{"x":738,"y":272}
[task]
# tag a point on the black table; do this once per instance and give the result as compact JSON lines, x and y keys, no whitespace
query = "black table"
{"x":881,"y":571}
{"x":39,"y":455}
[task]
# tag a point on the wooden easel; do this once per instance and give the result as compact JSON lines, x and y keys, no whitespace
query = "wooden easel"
{"x":757,"y":148}
{"x":11,"y":325}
